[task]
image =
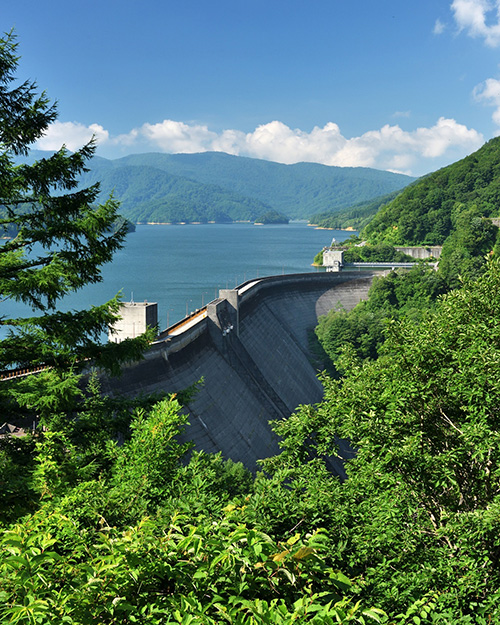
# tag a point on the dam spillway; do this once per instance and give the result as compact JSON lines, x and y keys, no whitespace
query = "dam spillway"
{"x":250,"y":347}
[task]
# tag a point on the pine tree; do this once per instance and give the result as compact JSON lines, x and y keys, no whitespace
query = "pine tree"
{"x":60,"y":238}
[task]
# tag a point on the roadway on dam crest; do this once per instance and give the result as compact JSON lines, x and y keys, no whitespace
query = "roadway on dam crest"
{"x":250,"y":348}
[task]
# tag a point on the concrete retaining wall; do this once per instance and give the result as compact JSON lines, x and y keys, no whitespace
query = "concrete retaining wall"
{"x":251,"y":349}
{"x":421,"y":252}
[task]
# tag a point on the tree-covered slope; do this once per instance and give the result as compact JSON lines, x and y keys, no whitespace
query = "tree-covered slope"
{"x":418,"y":517}
{"x":147,"y":194}
{"x":214,"y":186}
{"x":450,"y":207}
{"x":272,"y":217}
{"x":298,"y":190}
{"x":357,"y":216}
{"x":427,"y":211}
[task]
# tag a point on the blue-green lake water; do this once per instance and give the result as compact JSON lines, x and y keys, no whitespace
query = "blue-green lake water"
{"x":183,"y":267}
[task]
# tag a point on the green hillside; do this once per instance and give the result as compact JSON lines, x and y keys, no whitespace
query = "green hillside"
{"x":272,"y":217}
{"x":147,"y":194}
{"x":297,"y":191}
{"x":214,"y":186}
{"x":452,"y":207}
{"x":429,"y":211}
{"x":356,"y":216}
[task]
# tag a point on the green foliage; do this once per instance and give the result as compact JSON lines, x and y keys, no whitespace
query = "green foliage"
{"x":423,"y":213}
{"x":400,"y":294}
{"x":147,"y":464}
{"x":129,"y":544}
{"x":152,"y":195}
{"x":17,"y":496}
{"x":355,"y":217}
{"x":420,"y":505}
{"x":360,"y":328}
{"x":272,"y":217}
{"x":209,"y":186}
{"x":55,"y":465}
{"x":382,"y":252}
{"x":465,"y":249}
{"x":318,"y":259}
{"x":208,"y":482}
{"x":297,"y":492}
{"x":450,"y":206}
{"x":60,"y":240}
{"x":222,"y":571}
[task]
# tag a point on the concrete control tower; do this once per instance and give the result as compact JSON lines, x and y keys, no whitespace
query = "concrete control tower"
{"x":136,"y":318}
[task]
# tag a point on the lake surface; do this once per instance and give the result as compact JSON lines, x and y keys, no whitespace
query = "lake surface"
{"x":183,"y":267}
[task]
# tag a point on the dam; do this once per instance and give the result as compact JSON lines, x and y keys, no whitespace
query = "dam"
{"x":250,"y":348}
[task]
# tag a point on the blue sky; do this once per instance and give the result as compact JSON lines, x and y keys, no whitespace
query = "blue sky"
{"x":404,"y":86}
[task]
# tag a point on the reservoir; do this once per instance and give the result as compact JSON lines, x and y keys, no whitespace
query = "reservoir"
{"x":182,"y":267}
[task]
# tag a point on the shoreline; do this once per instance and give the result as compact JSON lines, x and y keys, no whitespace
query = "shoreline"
{"x":207,"y":223}
{"x":232,"y":223}
{"x":349,"y":229}
{"x":190,"y":223}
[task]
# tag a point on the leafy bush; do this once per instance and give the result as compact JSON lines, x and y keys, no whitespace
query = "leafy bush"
{"x":399,"y":295}
{"x":219,"y":571}
{"x":418,"y":514}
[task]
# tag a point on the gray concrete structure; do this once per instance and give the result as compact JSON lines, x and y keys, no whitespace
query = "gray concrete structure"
{"x":250,"y":346}
{"x":136,"y":318}
{"x":333,"y":259}
{"x":421,"y":251}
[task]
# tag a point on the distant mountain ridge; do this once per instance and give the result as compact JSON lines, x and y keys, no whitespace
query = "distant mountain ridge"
{"x":151,"y":195}
{"x":214,"y":186}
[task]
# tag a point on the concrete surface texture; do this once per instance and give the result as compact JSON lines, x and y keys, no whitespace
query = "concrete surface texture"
{"x":251,"y":350}
{"x":136,"y":318}
{"x":420,"y":251}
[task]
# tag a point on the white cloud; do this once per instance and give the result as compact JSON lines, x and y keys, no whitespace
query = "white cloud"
{"x":474,"y":16}
{"x":229,"y":141}
{"x":276,"y":141}
{"x":395,"y":149}
{"x":71,"y":134}
{"x":172,"y":136}
{"x":130,"y":138}
{"x":387,"y":148}
{"x":489,"y":92}
{"x":392,"y":148}
{"x":438,"y":27}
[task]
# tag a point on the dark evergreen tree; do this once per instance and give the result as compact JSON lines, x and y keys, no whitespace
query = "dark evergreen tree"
{"x":59,"y":239}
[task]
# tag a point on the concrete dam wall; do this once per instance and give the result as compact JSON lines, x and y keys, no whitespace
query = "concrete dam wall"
{"x":250,"y":346}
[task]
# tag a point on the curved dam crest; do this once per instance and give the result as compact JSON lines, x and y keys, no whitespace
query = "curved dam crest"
{"x":250,"y":346}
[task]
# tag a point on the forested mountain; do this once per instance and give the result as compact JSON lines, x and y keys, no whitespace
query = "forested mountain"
{"x":297,"y":190}
{"x":272,"y":217}
{"x":450,"y":207}
{"x":427,"y":212}
{"x":420,"y":497}
{"x":355,"y":217}
{"x":150,"y":195}
{"x":214,"y":186}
